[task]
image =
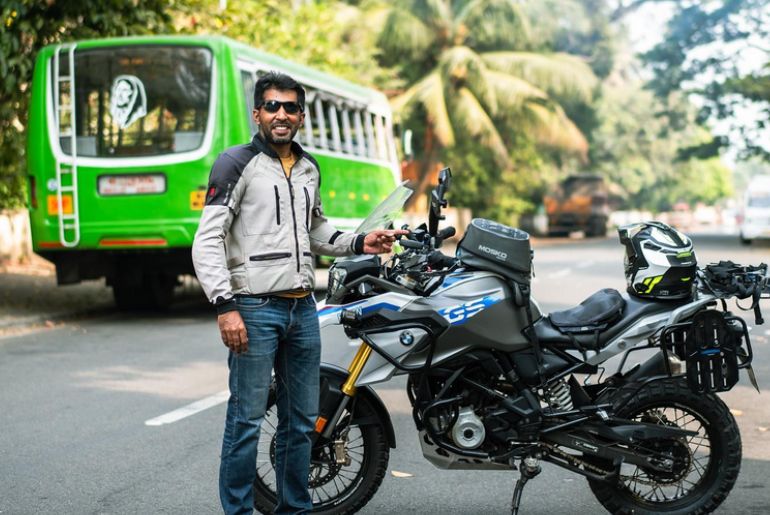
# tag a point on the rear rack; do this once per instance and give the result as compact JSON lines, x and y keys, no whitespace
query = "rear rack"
{"x":711,"y":345}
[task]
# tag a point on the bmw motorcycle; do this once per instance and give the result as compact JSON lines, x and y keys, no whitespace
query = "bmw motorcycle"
{"x":495,"y":384}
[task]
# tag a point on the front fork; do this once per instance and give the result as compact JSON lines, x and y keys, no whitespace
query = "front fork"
{"x":333,"y":403}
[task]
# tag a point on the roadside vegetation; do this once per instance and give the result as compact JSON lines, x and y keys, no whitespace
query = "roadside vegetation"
{"x":514,"y":95}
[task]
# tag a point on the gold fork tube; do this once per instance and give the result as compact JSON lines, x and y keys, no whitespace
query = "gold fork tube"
{"x":355,"y":369}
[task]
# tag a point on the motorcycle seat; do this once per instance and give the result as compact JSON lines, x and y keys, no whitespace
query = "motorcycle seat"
{"x":596,"y":337}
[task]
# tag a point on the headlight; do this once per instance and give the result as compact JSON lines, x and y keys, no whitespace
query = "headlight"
{"x":336,"y":281}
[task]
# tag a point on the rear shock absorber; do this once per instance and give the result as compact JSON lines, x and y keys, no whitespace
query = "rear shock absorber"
{"x":559,"y":396}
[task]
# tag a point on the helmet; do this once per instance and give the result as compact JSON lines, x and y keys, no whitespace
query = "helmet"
{"x":660,"y":261}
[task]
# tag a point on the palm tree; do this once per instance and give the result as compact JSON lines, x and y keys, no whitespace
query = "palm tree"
{"x":472,"y":74}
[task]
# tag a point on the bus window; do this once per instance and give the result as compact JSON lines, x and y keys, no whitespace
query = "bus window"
{"x":320,"y":131}
{"x":334,"y":126}
{"x":359,"y":131}
{"x":140,"y":101}
{"x":379,"y":133}
{"x":347,"y":133}
{"x":370,"y":145}
{"x":248,"y":81}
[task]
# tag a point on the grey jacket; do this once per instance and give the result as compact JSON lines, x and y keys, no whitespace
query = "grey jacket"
{"x":259,"y":229}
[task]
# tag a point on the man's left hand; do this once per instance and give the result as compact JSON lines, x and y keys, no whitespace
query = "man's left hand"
{"x":377,"y":242}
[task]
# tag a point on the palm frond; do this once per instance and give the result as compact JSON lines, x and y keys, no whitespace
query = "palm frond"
{"x":549,"y":126}
{"x":429,"y":93}
{"x":469,"y":114}
{"x":512,"y":93}
{"x":404,"y":37}
{"x":436,"y":13}
{"x":493,"y":25}
{"x":461,"y":67}
{"x":563,"y":76}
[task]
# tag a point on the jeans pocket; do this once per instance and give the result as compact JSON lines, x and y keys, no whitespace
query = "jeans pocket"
{"x":252,"y":302}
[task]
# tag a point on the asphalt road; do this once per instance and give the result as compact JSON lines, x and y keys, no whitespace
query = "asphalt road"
{"x":76,"y":399}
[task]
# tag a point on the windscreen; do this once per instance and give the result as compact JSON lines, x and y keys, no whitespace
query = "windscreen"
{"x":761,"y":201}
{"x":386,"y":211}
{"x":136,"y":101}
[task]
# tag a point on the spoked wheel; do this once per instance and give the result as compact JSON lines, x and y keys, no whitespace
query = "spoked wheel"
{"x":701,"y":469}
{"x":345,"y":471}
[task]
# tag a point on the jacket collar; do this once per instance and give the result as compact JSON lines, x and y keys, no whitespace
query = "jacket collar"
{"x":262,"y":146}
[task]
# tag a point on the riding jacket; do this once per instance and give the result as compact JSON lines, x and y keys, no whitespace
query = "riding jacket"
{"x":259,"y":228}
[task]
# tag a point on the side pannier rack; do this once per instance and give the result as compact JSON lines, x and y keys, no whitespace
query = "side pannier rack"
{"x":714,"y":345}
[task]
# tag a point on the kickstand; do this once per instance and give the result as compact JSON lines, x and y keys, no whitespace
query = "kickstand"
{"x":528,"y":469}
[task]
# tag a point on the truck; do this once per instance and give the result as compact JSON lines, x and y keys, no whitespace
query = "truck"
{"x":578,"y":203}
{"x":755,"y":212}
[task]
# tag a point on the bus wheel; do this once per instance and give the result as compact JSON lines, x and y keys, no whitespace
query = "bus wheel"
{"x":143,"y":290}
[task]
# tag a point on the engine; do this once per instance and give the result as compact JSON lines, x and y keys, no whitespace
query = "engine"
{"x":468,"y":431}
{"x":471,"y":417}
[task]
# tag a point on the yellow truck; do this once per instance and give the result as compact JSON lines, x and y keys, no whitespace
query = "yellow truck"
{"x":578,"y":203}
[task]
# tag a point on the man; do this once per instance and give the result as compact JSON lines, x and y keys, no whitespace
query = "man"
{"x":253,"y":255}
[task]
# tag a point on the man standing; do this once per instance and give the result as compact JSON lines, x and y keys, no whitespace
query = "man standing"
{"x":254,"y":257}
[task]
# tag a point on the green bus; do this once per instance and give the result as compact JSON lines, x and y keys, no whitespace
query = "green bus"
{"x":123,"y":132}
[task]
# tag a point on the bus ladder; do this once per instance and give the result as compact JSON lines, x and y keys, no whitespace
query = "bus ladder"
{"x":66,"y":173}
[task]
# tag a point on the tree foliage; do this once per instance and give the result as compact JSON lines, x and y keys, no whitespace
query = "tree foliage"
{"x":29,"y":25}
{"x":330,"y":36}
{"x":639,"y":147}
{"x":708,"y":50}
{"x":478,"y":81}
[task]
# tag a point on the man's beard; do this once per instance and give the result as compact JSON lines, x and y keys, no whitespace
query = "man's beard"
{"x":279,"y":140}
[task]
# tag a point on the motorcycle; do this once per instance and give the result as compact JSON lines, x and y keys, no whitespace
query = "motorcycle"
{"x":494,"y":383}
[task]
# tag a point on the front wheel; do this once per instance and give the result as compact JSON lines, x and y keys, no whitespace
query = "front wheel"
{"x":335,"y":488}
{"x":705,"y":467}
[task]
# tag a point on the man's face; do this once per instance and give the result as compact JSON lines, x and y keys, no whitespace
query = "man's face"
{"x":279,"y":127}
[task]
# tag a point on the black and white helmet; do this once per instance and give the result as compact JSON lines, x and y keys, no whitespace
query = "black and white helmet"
{"x":660,"y":261}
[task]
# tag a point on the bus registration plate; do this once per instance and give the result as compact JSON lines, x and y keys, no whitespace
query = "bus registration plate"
{"x":140,"y":184}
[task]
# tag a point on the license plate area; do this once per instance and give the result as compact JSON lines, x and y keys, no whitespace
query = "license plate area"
{"x":131,"y":184}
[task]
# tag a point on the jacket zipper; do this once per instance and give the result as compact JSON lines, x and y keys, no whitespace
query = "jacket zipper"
{"x":277,"y":206}
{"x":272,"y":255}
{"x":293,"y":212}
{"x":307,"y":208}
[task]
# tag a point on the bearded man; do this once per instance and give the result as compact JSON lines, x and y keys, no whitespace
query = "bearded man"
{"x":254,"y":256}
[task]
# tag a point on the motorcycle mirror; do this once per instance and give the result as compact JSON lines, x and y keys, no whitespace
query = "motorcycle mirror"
{"x":438,"y":201}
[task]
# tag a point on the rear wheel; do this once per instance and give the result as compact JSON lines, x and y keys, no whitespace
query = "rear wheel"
{"x":335,"y":488}
{"x":141,"y":289}
{"x":705,"y":466}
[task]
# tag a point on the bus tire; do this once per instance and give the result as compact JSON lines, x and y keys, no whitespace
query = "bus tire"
{"x":143,"y":291}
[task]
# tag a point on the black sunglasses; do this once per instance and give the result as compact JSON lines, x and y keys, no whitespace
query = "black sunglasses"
{"x":273,"y":106}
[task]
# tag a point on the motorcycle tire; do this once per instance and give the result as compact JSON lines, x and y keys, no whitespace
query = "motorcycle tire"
{"x":368,"y":445}
{"x":705,"y":467}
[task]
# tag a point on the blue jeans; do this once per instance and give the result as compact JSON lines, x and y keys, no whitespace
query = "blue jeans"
{"x":284,"y":335}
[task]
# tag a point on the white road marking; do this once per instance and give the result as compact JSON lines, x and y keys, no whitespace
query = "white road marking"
{"x":189,"y":410}
{"x":561,"y":273}
{"x":585,"y":264}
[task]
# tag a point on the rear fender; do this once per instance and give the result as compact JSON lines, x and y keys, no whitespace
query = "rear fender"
{"x":332,"y":378}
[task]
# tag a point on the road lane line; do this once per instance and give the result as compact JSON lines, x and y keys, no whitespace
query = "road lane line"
{"x":561,"y":273}
{"x":189,"y":410}
{"x":586,"y":264}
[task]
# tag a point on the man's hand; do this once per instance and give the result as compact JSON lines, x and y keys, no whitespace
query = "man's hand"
{"x":377,"y":242}
{"x":233,"y":331}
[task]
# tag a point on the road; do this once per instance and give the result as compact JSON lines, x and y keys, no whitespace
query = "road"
{"x":76,"y":400}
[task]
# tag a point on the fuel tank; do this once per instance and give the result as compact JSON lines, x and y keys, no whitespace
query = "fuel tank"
{"x":481,"y":312}
{"x":477,"y":306}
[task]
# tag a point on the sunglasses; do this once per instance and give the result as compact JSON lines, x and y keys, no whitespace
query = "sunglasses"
{"x":273,"y":106}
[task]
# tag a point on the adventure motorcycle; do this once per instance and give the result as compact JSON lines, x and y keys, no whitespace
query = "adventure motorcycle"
{"x":494,"y":383}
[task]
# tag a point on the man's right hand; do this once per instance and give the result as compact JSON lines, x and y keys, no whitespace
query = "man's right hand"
{"x":233,"y":331}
